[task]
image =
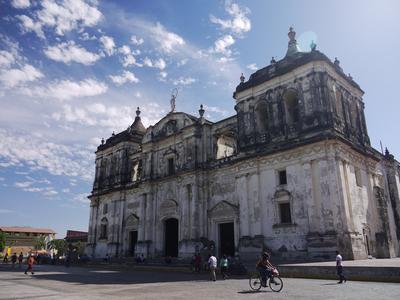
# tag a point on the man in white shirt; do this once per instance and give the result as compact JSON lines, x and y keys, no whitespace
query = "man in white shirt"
{"x":212,"y":264}
{"x":339,"y":267}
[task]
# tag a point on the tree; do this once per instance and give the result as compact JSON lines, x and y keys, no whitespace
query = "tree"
{"x":40,"y":243}
{"x":2,"y":240}
{"x":58,"y":245}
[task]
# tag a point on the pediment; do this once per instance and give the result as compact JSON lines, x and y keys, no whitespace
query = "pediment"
{"x":168,"y":207}
{"x":224,"y":208}
{"x":132,"y":221}
{"x":169,"y":125}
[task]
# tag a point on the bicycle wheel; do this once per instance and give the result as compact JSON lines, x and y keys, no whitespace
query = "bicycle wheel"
{"x":255,"y":282}
{"x":276,"y":283}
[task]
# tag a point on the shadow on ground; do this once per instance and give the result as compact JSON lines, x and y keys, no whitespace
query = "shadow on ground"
{"x":79,"y":275}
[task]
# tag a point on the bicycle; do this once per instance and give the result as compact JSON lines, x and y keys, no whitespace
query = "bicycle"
{"x":275,"y":283}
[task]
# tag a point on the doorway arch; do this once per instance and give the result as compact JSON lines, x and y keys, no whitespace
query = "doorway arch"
{"x":171,"y":237}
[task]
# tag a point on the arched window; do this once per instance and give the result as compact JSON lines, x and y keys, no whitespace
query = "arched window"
{"x":226,"y":146}
{"x":291,"y":102}
{"x":135,"y":171}
{"x":261,"y":117}
{"x":104,"y":228}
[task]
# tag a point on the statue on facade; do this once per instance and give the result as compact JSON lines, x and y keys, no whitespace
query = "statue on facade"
{"x":174,"y":94}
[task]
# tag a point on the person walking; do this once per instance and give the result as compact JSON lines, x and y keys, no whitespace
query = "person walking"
{"x":5,"y":259}
{"x":30,"y":262}
{"x":197,"y":263}
{"x":224,"y":266}
{"x":212,"y":264}
{"x":339,"y":267}
{"x":20,"y":259}
{"x":14,"y":259}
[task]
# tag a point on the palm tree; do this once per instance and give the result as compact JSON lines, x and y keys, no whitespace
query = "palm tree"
{"x":59,"y":245}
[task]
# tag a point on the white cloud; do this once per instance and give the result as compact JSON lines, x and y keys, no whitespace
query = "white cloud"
{"x":86,"y":37}
{"x":125,"y":50}
{"x":163,"y":76}
{"x":28,"y":25}
{"x":182,"y":62}
{"x":184,"y":81}
{"x":67,"y":89}
{"x":70,"y":52}
{"x":13,"y":77}
{"x":97,"y":108}
{"x":20,"y":3}
{"x":158,"y":63}
{"x":66,"y":15}
{"x":39,"y":154}
{"x":6,"y":211}
{"x":6,"y":59}
{"x":252,"y":67}
{"x":24,"y":184}
{"x":136,"y":41}
{"x":222,"y":44}
{"x":239,"y":22}
{"x":128,"y":58}
{"x":108,"y":44}
{"x":215,"y":109}
{"x":168,"y":41}
{"x":124,"y":78}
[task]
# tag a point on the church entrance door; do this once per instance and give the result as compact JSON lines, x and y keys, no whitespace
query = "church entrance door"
{"x":133,"y":237}
{"x":171,"y":237}
{"x":226,"y":239}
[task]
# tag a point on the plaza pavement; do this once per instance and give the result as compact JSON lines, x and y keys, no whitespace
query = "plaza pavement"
{"x":59,"y":282}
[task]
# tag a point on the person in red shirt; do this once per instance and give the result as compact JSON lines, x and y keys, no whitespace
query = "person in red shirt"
{"x":30,"y":261}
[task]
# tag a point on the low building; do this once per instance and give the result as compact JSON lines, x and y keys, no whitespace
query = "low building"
{"x":25,"y":239}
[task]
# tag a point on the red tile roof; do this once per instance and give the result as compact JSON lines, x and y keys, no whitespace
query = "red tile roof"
{"x":26,"y":229}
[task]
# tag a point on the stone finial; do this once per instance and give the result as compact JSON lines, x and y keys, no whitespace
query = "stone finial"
{"x":138,"y":112}
{"x":336,"y":62}
{"x":113,"y":133}
{"x":350,"y":77}
{"x":273,"y":61}
{"x":313,"y":46}
{"x":242,"y":78}
{"x":387,"y":153}
{"x":201,"y":111}
{"x":102,"y":141}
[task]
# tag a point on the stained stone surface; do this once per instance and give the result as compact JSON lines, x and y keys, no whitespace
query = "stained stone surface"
{"x":302,"y":117}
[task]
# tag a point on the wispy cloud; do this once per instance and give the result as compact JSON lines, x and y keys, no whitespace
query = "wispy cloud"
{"x":125,"y":77}
{"x":70,"y":52}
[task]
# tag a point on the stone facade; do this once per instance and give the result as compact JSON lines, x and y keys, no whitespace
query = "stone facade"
{"x":292,"y":172}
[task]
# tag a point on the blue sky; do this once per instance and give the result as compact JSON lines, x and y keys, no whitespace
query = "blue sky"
{"x":72,"y":72}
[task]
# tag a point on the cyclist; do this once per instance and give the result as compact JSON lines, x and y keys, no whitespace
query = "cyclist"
{"x":264,"y":267}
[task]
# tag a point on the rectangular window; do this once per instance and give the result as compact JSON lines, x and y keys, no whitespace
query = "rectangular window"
{"x":282,"y":177}
{"x":105,"y":208}
{"x":357,"y":172}
{"x":103,"y":231}
{"x":171,"y":166}
{"x":284,"y":210}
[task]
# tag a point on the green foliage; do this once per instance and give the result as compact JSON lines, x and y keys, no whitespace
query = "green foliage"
{"x":2,"y":240}
{"x":58,"y":245}
{"x":40,"y":243}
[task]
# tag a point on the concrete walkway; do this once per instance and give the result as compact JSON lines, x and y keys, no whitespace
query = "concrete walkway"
{"x":384,"y":270}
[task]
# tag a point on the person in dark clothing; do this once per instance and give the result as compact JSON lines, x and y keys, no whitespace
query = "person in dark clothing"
{"x":20,"y":259}
{"x":14,"y":259}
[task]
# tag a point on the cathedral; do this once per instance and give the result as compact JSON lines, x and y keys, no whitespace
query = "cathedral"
{"x":292,"y":172}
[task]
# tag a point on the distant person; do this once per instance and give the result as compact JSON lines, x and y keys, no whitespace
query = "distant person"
{"x":14,"y":259}
{"x":197,"y":262}
{"x":20,"y":259}
{"x":339,"y":267}
{"x":212,"y":264}
{"x":30,"y":261}
{"x":224,"y":266}
{"x":5,"y":259}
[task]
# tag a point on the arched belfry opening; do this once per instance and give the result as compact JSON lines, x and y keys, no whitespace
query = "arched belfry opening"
{"x":291,"y":103}
{"x":261,"y":117}
{"x":171,"y":237}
